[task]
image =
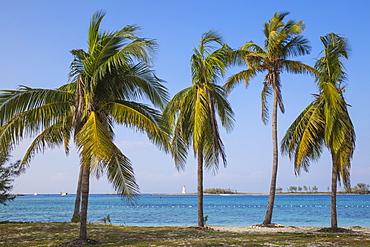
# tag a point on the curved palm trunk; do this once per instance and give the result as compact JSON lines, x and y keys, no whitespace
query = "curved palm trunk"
{"x":271,"y":200}
{"x":334,"y":181}
{"x":200,"y":189}
{"x":85,"y":201}
{"x":76,"y":212}
{"x":79,"y":105}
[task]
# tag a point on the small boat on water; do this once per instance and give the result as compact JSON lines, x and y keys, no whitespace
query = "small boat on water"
{"x":63,"y":193}
{"x":35,"y":194}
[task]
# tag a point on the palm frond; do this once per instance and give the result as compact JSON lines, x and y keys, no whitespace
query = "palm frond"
{"x":139,"y":82}
{"x":304,"y":138}
{"x":141,"y":118}
{"x":297,"y":46}
{"x":223,"y":108}
{"x":296,"y":67}
{"x":179,"y":116}
{"x":93,"y":32}
{"x":95,"y":143}
{"x":234,"y":80}
{"x":121,"y":175}
{"x":54,"y":136}
{"x":265,"y":94}
{"x":201,"y":114}
{"x":24,"y":99}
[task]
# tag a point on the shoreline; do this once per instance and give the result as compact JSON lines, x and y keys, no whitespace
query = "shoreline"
{"x":281,"y":228}
{"x":206,"y":194}
{"x":253,"y":194}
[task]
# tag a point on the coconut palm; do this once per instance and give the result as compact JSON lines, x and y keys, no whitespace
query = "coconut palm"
{"x":192,"y":113}
{"x":106,"y":80}
{"x":283,"y":40}
{"x":326,"y":121}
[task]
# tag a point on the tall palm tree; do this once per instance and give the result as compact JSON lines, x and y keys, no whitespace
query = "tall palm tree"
{"x":105,"y":83}
{"x":283,"y":40}
{"x":192,"y":113}
{"x":326,"y":121}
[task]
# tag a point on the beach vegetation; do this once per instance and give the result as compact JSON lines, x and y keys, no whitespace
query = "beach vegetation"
{"x":205,"y":219}
{"x":360,"y":188}
{"x":304,"y":188}
{"x":282,"y":41}
{"x":107,"y":81}
{"x":220,"y":191}
{"x":292,"y":189}
{"x":8,"y":171}
{"x":315,"y":189}
{"x":326,"y":121}
{"x":107,"y":219}
{"x":192,"y":114}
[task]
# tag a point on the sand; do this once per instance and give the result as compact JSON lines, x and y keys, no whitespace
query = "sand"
{"x":281,"y":228}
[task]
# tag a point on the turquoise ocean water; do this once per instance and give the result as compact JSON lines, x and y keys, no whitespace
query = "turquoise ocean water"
{"x":181,"y":210}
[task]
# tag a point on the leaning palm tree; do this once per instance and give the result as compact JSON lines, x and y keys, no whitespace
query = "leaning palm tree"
{"x":326,"y":121}
{"x":106,"y":81}
{"x":192,"y":113}
{"x":283,"y":40}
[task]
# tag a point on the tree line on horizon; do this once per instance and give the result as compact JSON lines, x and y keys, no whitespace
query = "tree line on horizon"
{"x":109,"y":80}
{"x":360,"y":188}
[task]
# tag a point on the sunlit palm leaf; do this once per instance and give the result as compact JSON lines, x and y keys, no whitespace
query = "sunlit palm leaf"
{"x":54,"y":136}
{"x":142,"y":118}
{"x":121,"y":175}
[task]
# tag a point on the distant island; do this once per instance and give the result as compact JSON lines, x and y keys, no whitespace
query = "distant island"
{"x":360,"y":188}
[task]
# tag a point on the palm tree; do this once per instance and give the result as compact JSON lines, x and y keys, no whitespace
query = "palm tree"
{"x":105,"y":82}
{"x":325,"y":121}
{"x":283,"y":40}
{"x":192,"y":113}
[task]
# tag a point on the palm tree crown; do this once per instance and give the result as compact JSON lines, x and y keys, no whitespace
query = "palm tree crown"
{"x":283,"y":40}
{"x":192,"y":112}
{"x":105,"y":82}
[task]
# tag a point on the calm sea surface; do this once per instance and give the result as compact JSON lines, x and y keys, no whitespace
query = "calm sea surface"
{"x":181,"y":210}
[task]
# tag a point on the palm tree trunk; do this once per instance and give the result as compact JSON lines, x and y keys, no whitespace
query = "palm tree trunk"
{"x":200,"y":189}
{"x":271,"y":200}
{"x":85,"y":201}
{"x":334,"y":181}
{"x":76,"y":212}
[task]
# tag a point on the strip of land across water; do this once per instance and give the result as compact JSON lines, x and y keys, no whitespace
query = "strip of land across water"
{"x":256,"y":194}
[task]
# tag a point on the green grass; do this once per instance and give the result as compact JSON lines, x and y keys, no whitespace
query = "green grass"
{"x":60,"y":234}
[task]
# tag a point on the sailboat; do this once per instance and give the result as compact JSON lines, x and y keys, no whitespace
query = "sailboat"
{"x":35,"y":194}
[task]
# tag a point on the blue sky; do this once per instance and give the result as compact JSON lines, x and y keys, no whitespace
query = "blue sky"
{"x":38,"y":35}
